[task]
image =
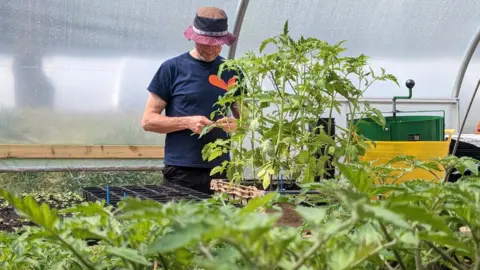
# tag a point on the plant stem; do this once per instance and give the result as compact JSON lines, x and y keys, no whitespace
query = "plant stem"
{"x":206,"y":252}
{"x":246,"y":256}
{"x":430,"y":263}
{"x":74,"y":251}
{"x":280,"y":128}
{"x":322,"y":239}
{"x":418,"y":259}
{"x":375,"y":251}
{"x":164,"y":262}
{"x":389,"y":238}
{"x":445,"y":256}
{"x":418,"y":255}
{"x":388,"y":265}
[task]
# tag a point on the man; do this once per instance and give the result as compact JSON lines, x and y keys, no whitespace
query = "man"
{"x":187,"y":87}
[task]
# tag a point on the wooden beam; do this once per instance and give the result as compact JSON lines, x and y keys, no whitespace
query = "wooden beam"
{"x":55,"y":151}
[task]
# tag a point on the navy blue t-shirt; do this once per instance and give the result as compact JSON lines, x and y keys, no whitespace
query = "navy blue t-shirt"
{"x":190,"y":87}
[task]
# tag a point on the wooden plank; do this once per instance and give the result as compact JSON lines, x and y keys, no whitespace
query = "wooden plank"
{"x":54,"y":151}
{"x":153,"y":168}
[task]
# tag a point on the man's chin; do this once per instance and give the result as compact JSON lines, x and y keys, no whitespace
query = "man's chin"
{"x":208,"y":58}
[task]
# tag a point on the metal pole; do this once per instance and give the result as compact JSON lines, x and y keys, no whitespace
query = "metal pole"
{"x":242,"y":9}
{"x":466,"y":60}
{"x":465,"y":118}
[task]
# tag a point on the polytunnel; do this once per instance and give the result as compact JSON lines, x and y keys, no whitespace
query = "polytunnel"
{"x":73,"y":74}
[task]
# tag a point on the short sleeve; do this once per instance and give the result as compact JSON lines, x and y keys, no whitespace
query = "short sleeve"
{"x":162,"y":81}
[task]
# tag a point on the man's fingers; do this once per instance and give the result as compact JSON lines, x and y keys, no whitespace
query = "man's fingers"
{"x":205,"y":121}
{"x":226,"y":120}
{"x":229,"y":127}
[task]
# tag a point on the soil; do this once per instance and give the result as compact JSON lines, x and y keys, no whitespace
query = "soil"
{"x":289,"y":216}
{"x":9,"y":220}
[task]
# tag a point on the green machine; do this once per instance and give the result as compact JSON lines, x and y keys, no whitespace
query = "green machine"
{"x":404,"y":128}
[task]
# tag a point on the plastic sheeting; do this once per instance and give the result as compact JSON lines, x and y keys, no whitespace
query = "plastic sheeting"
{"x":75,"y":72}
{"x":420,"y":40}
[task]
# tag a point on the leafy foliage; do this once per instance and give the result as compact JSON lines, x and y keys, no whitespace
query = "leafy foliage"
{"x":417,"y":226}
{"x":283,"y":93}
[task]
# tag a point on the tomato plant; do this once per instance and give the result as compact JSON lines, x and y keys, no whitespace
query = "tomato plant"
{"x":419,"y":225}
{"x":286,"y":93}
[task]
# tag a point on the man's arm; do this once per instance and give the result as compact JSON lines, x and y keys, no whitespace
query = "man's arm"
{"x":153,"y":121}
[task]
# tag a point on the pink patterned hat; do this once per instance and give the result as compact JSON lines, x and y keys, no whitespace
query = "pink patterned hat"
{"x":210,"y":27}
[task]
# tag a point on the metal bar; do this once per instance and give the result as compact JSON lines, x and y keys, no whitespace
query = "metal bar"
{"x":465,"y":119}
{"x":85,"y":169}
{"x":416,"y":100}
{"x":242,"y":9}
{"x":464,"y":65}
{"x":458,"y":114}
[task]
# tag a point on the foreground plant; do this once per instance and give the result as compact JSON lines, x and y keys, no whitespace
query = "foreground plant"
{"x":287,"y":91}
{"x":419,"y":225}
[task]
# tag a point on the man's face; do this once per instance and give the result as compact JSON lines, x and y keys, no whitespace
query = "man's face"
{"x":208,"y":52}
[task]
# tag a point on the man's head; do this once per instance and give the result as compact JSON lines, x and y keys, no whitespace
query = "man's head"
{"x":210,"y":31}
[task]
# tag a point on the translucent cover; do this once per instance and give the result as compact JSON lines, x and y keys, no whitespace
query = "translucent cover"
{"x":76,"y":72}
{"x":420,"y":40}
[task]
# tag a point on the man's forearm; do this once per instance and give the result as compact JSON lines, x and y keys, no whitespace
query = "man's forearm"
{"x":165,"y":124}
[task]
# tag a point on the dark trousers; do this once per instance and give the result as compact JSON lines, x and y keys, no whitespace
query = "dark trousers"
{"x":194,"y":178}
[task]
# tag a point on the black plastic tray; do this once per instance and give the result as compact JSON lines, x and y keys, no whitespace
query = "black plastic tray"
{"x":160,"y":193}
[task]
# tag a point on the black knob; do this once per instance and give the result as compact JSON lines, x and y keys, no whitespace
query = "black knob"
{"x":410,"y":83}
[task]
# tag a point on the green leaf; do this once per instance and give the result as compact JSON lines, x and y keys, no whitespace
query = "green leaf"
{"x":215,"y":153}
{"x":381,"y":213}
{"x":377,"y":116}
{"x":472,"y":166}
{"x":257,"y":202}
{"x":266,"y":181}
{"x":311,"y":214}
{"x":445,"y":240}
{"x":265,"y":43}
{"x":359,"y":177}
{"x":217,"y":169}
{"x":128,"y":254}
{"x":324,"y":139}
{"x":178,"y":238}
{"x":421,"y":215}
{"x":382,"y":189}
{"x":285,"y":28}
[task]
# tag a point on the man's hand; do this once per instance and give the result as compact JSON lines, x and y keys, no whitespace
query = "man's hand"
{"x":228,"y":124}
{"x":197,"y":123}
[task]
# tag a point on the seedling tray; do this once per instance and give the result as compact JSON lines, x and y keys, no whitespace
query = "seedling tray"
{"x":160,"y":193}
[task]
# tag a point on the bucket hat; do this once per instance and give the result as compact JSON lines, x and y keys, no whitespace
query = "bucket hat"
{"x":210,"y":27}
